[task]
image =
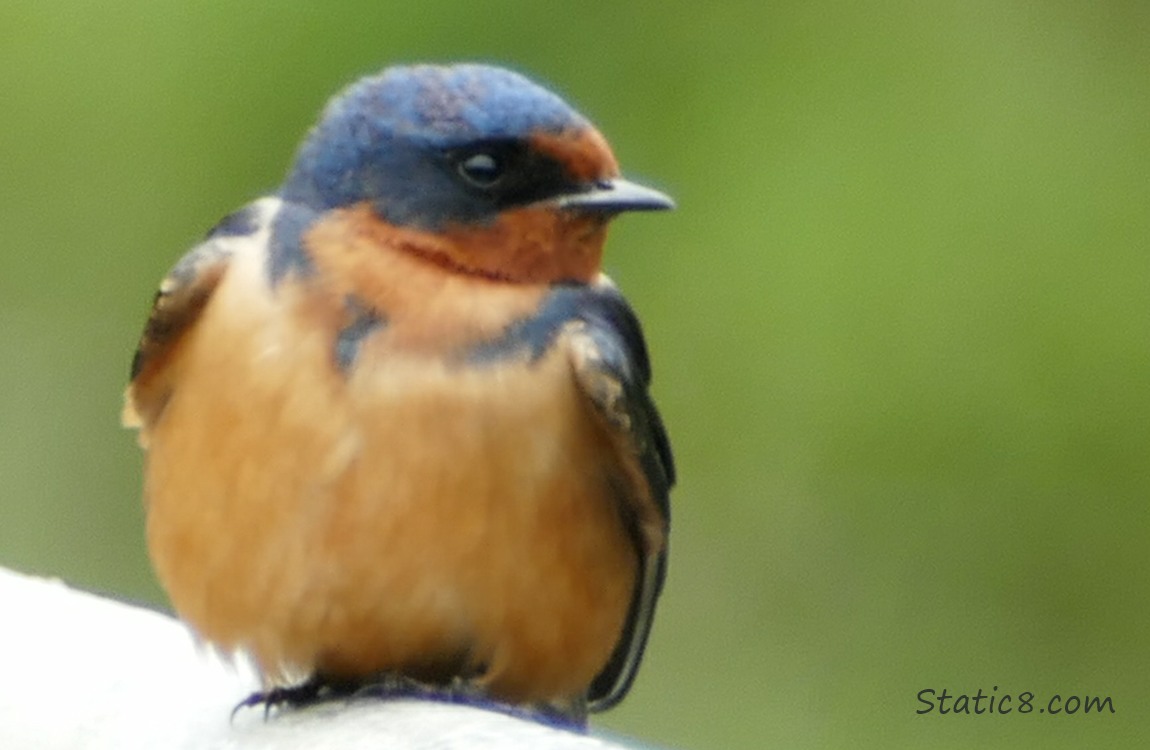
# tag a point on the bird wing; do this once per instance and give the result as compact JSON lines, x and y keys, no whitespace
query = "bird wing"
{"x":180,"y":299}
{"x":612,"y":368}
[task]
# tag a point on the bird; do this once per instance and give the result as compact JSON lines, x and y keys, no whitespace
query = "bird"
{"x":396,"y":420}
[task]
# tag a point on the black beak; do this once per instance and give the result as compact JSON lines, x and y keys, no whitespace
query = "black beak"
{"x":615,"y":196}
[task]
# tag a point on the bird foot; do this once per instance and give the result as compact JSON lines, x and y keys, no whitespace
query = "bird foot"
{"x":469,"y":692}
{"x":313,"y":690}
{"x":390,"y":686}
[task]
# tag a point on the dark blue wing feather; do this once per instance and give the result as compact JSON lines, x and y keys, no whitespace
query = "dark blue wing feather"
{"x":605,"y":339}
{"x":619,"y":357}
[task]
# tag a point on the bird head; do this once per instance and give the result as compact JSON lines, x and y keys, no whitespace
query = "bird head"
{"x":473,"y":166}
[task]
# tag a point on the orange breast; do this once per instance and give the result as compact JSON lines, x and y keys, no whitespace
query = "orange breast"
{"x":411,"y":515}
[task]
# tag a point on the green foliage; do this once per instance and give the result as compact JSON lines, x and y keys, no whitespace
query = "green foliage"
{"x":900,"y":321}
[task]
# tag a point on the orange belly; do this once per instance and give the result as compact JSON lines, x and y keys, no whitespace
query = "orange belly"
{"x":409,"y":517}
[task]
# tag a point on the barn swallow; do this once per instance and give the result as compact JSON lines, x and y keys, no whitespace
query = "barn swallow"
{"x":397,"y":420}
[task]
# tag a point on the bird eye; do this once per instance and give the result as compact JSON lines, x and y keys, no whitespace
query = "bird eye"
{"x":482,"y":169}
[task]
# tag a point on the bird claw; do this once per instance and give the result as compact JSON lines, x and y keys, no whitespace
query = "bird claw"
{"x":314,"y":690}
{"x":392,"y":686}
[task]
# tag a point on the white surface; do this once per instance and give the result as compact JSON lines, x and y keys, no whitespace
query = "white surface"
{"x":82,"y":671}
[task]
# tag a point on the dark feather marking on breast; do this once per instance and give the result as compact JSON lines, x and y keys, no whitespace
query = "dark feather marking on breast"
{"x":363,"y":321}
{"x":531,"y":336}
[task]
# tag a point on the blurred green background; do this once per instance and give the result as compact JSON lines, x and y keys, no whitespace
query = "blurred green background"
{"x":900,"y":321}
